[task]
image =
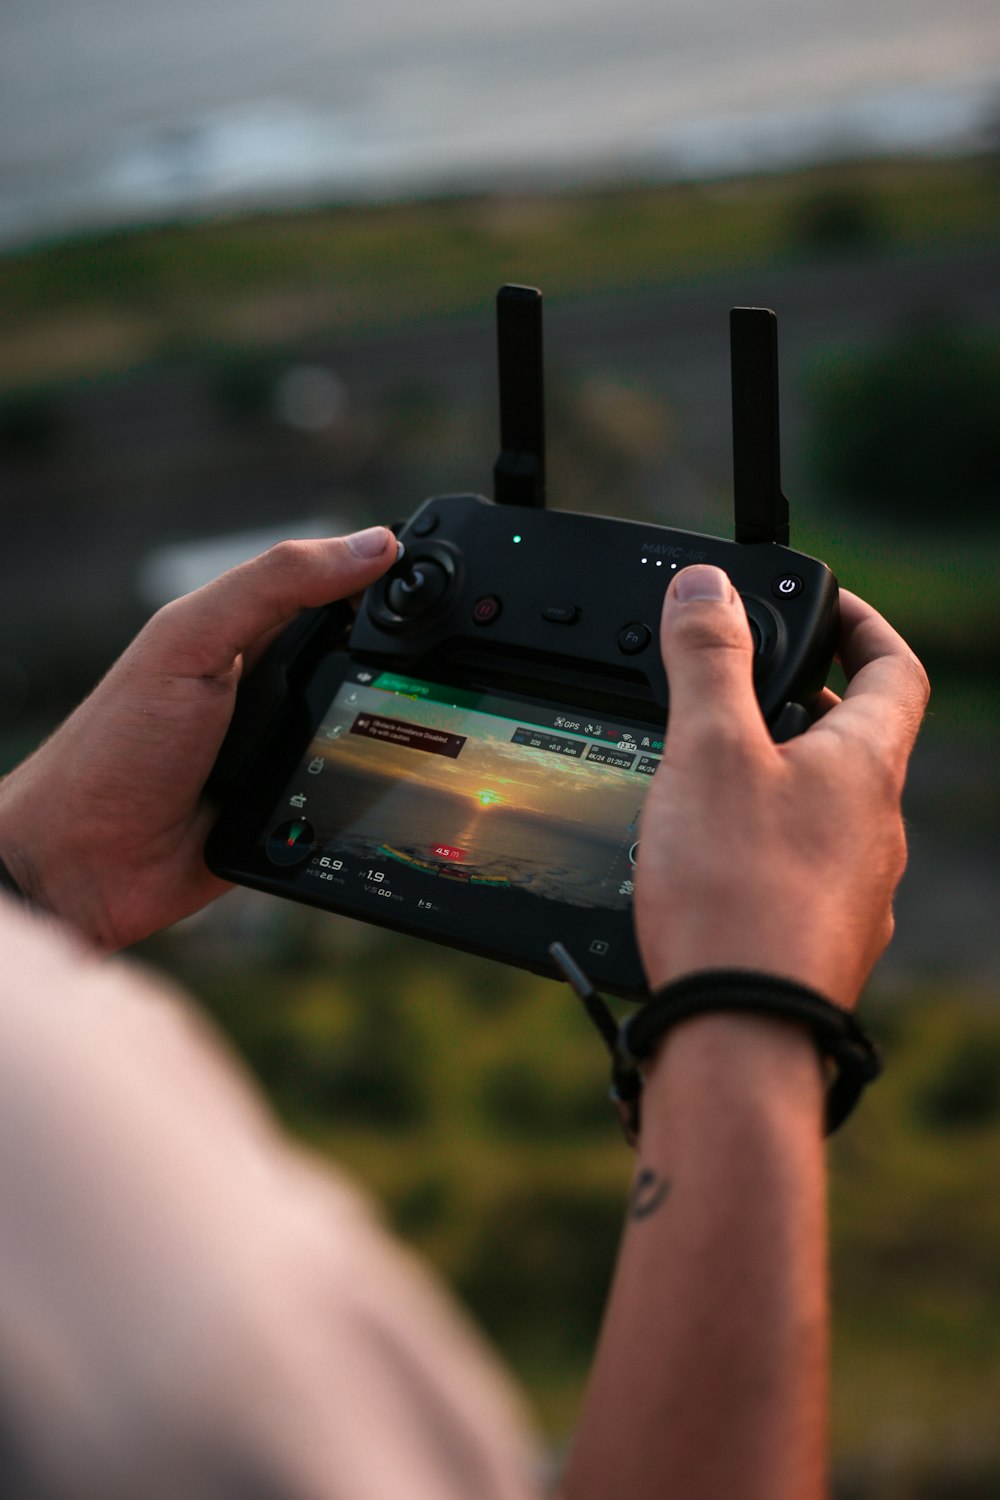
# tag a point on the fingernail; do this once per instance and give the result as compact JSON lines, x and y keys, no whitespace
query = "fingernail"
{"x":369,"y":543}
{"x":701,"y":582}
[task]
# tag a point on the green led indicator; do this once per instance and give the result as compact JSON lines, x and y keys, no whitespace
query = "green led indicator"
{"x":517,"y":538}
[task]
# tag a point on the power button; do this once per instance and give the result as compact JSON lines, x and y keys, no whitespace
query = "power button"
{"x":787,"y":586}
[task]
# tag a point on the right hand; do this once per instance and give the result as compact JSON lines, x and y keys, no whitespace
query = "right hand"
{"x":779,"y":858}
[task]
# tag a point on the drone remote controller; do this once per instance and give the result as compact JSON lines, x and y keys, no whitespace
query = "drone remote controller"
{"x":465,"y":759}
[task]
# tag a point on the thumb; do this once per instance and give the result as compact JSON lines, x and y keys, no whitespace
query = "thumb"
{"x":205,"y":631}
{"x":708,"y":654}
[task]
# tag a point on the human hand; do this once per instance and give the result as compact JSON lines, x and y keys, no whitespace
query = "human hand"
{"x":782,"y":858}
{"x":105,"y":824}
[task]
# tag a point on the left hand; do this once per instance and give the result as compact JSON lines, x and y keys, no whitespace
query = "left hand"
{"x":105,"y":824}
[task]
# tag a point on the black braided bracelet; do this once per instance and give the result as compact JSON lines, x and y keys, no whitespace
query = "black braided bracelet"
{"x":837,"y":1033}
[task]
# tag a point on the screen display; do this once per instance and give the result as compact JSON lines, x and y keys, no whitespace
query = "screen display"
{"x":461,"y":810}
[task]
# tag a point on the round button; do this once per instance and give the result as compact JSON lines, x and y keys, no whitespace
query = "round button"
{"x":425,"y":524}
{"x":787,"y":586}
{"x":486,"y":610}
{"x":417,"y":590}
{"x":634,"y":638}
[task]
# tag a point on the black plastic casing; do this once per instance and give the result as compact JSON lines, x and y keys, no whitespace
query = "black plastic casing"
{"x":603,"y":576}
{"x":556,"y":605}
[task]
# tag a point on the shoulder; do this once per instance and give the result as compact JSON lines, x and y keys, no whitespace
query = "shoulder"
{"x":185,"y":1263}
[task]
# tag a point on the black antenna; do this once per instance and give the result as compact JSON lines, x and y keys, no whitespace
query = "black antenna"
{"x":761,"y":508}
{"x":519,"y":472}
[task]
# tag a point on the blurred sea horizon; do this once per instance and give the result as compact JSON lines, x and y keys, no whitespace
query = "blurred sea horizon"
{"x":120,"y":113}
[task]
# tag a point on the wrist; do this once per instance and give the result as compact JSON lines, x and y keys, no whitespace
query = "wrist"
{"x":721,"y":1068}
{"x":851,"y":1060}
{"x":802,"y":934}
{"x":54,"y":885}
{"x":793,"y":953}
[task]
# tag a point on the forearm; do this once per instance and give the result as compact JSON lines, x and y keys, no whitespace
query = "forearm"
{"x":710,"y":1377}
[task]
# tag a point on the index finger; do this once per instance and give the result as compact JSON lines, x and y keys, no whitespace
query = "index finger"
{"x":887,"y":689}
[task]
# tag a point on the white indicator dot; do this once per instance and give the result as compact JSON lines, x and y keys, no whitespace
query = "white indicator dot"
{"x":673,"y":565}
{"x":659,"y":562}
{"x":645,"y":559}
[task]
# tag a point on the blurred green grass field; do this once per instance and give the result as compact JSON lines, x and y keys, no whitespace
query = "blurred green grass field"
{"x":110,"y":302}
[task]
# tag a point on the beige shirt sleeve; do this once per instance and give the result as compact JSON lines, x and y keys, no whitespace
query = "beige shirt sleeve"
{"x":189,"y":1307}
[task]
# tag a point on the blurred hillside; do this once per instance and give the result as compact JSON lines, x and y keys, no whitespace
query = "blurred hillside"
{"x":175,"y":385}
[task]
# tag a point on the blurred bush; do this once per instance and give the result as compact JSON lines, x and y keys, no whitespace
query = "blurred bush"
{"x":916,"y":1252}
{"x":323,"y":1055}
{"x":243,"y":385}
{"x":841,"y":218}
{"x":963,"y":1092}
{"x":528,"y":1097}
{"x":907,"y":430}
{"x":31,"y":422}
{"x":537,"y":1274}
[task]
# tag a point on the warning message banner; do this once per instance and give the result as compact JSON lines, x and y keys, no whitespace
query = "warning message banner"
{"x":410,"y":736}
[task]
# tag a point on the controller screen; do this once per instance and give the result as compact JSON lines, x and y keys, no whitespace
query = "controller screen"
{"x":426,"y":796}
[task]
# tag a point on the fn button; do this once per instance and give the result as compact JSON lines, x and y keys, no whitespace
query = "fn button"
{"x":634,"y":638}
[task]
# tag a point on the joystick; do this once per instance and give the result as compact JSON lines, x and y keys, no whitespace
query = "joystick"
{"x":465,"y":757}
{"x":417,"y":591}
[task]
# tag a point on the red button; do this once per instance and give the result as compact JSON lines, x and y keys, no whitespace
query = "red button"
{"x":486,"y":610}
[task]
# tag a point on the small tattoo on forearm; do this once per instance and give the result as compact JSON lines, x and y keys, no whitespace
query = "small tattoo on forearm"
{"x":649,"y":1193}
